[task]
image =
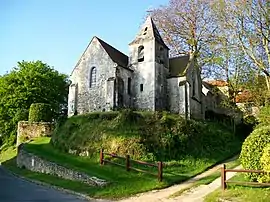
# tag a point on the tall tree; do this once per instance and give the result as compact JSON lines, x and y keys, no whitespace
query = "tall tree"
{"x":187,"y":27}
{"x":248,"y":23}
{"x":29,"y":82}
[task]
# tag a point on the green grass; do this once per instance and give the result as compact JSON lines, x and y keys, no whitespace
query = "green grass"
{"x":207,"y":179}
{"x":240,"y":193}
{"x":122,"y":183}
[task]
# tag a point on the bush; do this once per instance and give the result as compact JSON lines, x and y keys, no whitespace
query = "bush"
{"x":252,"y":150}
{"x":40,"y":112}
{"x":265,"y":163}
{"x":264,"y":116}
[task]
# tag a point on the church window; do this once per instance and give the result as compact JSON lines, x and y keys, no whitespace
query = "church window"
{"x":129,"y":86}
{"x":193,"y":83}
{"x":145,"y":31}
{"x":161,"y":51}
{"x":93,"y":77}
{"x":141,"y":54}
{"x":141,"y":87}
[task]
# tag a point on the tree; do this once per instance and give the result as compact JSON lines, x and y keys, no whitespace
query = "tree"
{"x":187,"y":27}
{"x":248,"y":23}
{"x":29,"y":82}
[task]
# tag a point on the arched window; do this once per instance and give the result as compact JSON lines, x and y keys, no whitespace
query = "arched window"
{"x":93,"y":77}
{"x":141,"y":54}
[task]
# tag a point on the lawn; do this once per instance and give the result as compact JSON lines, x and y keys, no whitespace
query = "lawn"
{"x":122,"y":183}
{"x":240,"y":193}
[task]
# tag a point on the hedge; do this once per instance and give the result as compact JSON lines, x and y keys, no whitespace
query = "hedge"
{"x":40,"y":112}
{"x":252,"y":150}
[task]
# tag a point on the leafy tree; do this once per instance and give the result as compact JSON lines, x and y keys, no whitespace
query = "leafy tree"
{"x":29,"y":82}
{"x":188,"y":27}
{"x":248,"y":24}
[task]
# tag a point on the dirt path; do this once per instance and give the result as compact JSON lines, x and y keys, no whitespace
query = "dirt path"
{"x":195,"y":194}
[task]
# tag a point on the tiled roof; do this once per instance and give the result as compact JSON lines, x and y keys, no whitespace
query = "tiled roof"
{"x":219,"y":83}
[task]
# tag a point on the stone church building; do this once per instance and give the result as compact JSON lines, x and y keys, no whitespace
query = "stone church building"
{"x":106,"y":79}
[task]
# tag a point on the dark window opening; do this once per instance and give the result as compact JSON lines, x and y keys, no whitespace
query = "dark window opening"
{"x":129,"y":86}
{"x":141,"y":87}
{"x":93,"y":77}
{"x":141,"y":54}
{"x":141,"y":59}
{"x":145,"y":31}
{"x":193,"y":88}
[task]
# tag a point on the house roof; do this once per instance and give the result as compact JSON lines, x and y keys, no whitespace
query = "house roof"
{"x":149,"y":31}
{"x":219,"y":83}
{"x":178,"y":66}
{"x":117,"y":56}
{"x":244,"y":96}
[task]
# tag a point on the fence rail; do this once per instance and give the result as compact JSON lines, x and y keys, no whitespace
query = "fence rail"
{"x":224,"y":182}
{"x":128,"y":166}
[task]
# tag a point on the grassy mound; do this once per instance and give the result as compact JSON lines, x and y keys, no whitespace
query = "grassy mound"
{"x":145,"y":135}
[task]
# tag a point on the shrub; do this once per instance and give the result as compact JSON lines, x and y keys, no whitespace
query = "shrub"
{"x":40,"y":112}
{"x":264,"y":116}
{"x":265,"y":163}
{"x":252,"y":150}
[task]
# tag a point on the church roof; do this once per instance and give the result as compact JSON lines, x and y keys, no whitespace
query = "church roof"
{"x":149,"y":31}
{"x":117,"y":56}
{"x":178,"y":66}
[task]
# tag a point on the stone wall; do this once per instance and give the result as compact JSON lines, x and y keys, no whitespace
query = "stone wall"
{"x":27,"y":130}
{"x":85,"y":98}
{"x":34,"y":163}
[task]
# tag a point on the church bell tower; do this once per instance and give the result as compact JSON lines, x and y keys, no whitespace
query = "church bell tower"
{"x":149,"y":58}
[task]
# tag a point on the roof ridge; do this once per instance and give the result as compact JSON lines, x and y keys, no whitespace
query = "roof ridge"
{"x":110,"y":45}
{"x":117,"y":56}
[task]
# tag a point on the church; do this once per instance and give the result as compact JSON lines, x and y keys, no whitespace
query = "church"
{"x":106,"y":79}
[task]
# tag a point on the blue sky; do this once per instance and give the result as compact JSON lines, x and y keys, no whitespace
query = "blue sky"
{"x":58,"y":31}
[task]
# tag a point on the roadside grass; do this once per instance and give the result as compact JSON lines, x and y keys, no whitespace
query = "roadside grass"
{"x":122,"y":183}
{"x":207,"y":179}
{"x":240,"y":193}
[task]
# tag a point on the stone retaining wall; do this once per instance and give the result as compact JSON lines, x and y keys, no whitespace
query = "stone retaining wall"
{"x":34,"y":163}
{"x":29,"y":130}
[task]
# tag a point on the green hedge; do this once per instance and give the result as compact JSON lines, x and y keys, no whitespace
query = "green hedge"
{"x":252,"y":150}
{"x":265,"y":163}
{"x":40,"y":112}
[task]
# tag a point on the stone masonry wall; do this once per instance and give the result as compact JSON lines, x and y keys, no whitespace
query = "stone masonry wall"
{"x":34,"y":163}
{"x":92,"y":98}
{"x":27,"y":130}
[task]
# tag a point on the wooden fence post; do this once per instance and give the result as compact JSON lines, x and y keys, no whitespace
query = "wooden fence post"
{"x":160,"y":171}
{"x":223,"y":177}
{"x":127,"y":162}
{"x":101,"y":157}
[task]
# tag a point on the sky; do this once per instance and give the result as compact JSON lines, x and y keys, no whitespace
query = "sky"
{"x":58,"y":31}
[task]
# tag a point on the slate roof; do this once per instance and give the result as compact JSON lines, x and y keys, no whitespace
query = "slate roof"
{"x":117,"y":56}
{"x":178,"y":66}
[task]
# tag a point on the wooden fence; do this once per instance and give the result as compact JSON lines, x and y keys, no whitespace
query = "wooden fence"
{"x":128,"y":166}
{"x":224,"y":182}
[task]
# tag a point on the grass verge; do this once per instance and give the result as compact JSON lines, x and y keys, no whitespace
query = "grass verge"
{"x":207,"y":179}
{"x":240,"y":193}
{"x":123,"y":184}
